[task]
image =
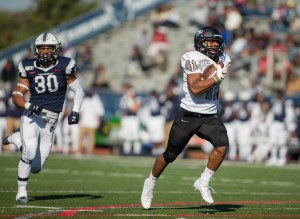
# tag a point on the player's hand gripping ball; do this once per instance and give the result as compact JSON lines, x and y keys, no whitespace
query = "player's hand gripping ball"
{"x":210,"y":71}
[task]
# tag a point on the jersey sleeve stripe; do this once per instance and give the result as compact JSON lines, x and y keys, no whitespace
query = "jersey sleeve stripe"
{"x":70,"y":69}
{"x":22,"y":72}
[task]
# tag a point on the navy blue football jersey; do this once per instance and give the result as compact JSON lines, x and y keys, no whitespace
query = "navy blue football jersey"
{"x":48,"y":86}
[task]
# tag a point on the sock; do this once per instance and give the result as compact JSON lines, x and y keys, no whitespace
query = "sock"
{"x":127,"y":147}
{"x":137,"y":148}
{"x":23,"y":173}
{"x":283,"y":153}
{"x":207,"y":175}
{"x":153,"y":178}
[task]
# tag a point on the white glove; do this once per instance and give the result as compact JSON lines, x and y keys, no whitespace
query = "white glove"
{"x":220,"y":75}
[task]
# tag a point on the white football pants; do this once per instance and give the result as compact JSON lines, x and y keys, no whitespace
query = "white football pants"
{"x":37,"y":134}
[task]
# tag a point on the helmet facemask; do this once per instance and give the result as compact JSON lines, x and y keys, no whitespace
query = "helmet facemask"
{"x":47,"y":48}
{"x":46,"y":59}
{"x":214,"y":52}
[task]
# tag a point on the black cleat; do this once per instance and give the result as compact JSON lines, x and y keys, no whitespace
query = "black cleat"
{"x":5,"y":140}
{"x":17,"y":130}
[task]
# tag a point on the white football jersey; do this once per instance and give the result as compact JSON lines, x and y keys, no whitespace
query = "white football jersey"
{"x":194,"y":62}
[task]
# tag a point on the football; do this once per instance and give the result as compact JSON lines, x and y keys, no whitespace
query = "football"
{"x":210,"y":71}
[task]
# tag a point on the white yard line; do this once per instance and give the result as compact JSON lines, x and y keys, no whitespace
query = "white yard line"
{"x":240,"y":192}
{"x":37,"y":207}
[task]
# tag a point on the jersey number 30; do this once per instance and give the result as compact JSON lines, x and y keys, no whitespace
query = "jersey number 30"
{"x":44,"y":84}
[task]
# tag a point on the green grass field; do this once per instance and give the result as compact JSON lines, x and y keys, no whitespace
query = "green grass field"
{"x":110,"y":186}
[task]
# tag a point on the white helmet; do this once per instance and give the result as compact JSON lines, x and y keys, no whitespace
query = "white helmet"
{"x":47,"y":39}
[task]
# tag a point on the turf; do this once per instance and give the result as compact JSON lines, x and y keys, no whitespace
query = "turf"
{"x":110,"y":186}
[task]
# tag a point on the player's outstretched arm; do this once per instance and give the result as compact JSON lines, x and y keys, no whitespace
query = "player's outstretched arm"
{"x":75,"y":86}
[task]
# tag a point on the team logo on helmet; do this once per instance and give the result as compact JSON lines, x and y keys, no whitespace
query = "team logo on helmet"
{"x":201,"y":32}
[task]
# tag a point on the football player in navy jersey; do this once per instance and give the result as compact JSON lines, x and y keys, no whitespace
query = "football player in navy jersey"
{"x":198,"y":112}
{"x":46,"y":78}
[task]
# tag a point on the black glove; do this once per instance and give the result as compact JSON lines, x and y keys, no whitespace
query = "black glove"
{"x":73,"y":118}
{"x":35,"y":108}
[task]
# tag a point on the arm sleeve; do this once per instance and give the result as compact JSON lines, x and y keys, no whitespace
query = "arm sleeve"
{"x":227,"y":63}
{"x":79,"y":94}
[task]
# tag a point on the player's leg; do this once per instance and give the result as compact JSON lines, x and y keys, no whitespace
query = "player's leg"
{"x":274,"y":138}
{"x":155,"y":127}
{"x":137,"y":147}
{"x":282,"y":147}
{"x":91,"y":140}
{"x":180,"y":134}
{"x":244,"y":141}
{"x":66,"y":133}
{"x":59,"y":146}
{"x":215,"y":132}
{"x":44,"y":148}
{"x":82,"y":134}
{"x":127,"y":147}
{"x":282,"y":155}
{"x":262,"y":150}
{"x":2,"y":130}
{"x":136,"y":135}
{"x":29,"y":135}
{"x":8,"y":131}
{"x":74,"y":129}
{"x":231,"y":131}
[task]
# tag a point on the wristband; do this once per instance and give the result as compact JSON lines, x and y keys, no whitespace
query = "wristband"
{"x":22,"y":85}
{"x":27,"y":105}
{"x":76,"y":108}
{"x":17,"y":93}
{"x":218,"y":80}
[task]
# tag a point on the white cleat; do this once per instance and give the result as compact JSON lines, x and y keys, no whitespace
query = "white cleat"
{"x":23,"y":199}
{"x":22,"y":196}
{"x":147,"y":194}
{"x":205,"y":191}
{"x":14,"y":139}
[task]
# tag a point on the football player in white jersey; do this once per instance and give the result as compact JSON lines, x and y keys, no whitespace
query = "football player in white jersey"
{"x":198,"y":112}
{"x":46,"y":77}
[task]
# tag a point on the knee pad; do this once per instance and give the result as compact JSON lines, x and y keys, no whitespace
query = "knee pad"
{"x":28,"y":155}
{"x":169,"y":156}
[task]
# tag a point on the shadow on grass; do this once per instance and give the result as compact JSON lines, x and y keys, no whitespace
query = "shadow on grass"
{"x":211,"y":209}
{"x":207,"y":209}
{"x":56,"y":197}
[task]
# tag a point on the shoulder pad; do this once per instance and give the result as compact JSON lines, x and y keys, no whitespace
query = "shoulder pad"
{"x":25,"y":65}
